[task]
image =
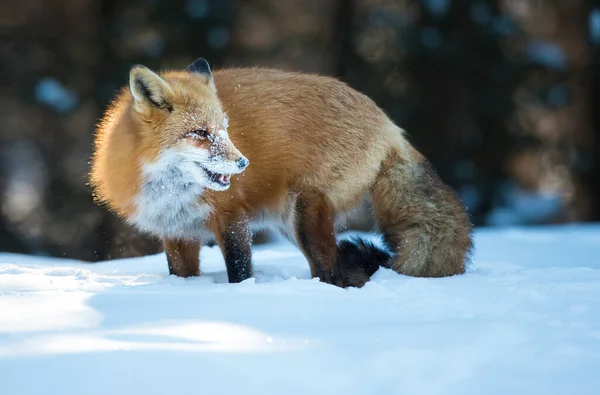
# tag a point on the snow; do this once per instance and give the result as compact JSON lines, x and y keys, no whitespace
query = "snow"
{"x":524,"y":319}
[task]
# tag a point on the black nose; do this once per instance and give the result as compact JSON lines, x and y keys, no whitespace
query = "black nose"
{"x":242,"y":163}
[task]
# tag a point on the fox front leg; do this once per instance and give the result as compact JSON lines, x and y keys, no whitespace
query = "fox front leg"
{"x":183,"y":257}
{"x":235,"y":238}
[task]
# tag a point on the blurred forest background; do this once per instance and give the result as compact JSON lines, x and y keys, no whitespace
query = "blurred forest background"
{"x":501,"y":96}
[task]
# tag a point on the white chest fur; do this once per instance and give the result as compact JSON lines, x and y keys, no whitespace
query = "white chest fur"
{"x":167,"y":203}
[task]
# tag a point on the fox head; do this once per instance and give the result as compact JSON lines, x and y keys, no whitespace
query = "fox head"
{"x":181,"y":122}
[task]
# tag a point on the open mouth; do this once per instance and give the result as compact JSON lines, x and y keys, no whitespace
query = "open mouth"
{"x":221,"y":179}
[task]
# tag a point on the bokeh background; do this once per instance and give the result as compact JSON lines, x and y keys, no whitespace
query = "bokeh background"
{"x":501,"y":95}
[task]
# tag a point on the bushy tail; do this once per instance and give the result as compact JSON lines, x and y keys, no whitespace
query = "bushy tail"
{"x":422,"y":222}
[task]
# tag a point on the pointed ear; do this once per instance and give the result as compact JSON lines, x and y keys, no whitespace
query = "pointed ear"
{"x":200,"y":66}
{"x":149,"y":90}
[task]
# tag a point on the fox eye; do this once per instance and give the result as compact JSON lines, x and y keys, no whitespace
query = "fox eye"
{"x":198,"y":133}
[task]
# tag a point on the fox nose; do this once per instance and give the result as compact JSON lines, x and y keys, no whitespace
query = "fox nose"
{"x":242,"y":163}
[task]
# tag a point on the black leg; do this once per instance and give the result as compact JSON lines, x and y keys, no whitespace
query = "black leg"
{"x":170,"y":263}
{"x":235,"y":242}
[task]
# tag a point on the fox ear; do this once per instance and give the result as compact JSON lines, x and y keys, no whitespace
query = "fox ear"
{"x":200,"y":66}
{"x":149,"y":90}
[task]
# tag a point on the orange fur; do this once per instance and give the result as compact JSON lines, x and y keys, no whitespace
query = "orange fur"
{"x":316,"y":147}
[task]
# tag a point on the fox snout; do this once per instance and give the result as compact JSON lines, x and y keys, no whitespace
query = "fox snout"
{"x":230,"y":165}
{"x":242,"y":163}
{"x":225,"y":154}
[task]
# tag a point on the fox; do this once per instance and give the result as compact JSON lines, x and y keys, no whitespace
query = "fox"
{"x":195,"y":155}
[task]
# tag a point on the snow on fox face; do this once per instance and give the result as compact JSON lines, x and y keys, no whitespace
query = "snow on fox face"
{"x":194,"y":155}
{"x":186,"y":126}
{"x":206,"y":152}
{"x":202,"y":152}
{"x":185,"y":149}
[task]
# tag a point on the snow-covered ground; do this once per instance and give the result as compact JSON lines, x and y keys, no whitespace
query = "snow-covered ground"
{"x":525,"y":319}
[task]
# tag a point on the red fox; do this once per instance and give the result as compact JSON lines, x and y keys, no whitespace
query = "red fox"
{"x":195,"y":155}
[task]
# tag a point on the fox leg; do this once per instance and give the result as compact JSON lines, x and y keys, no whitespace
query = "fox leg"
{"x":183,"y":257}
{"x":316,"y":236}
{"x":234,"y":238}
